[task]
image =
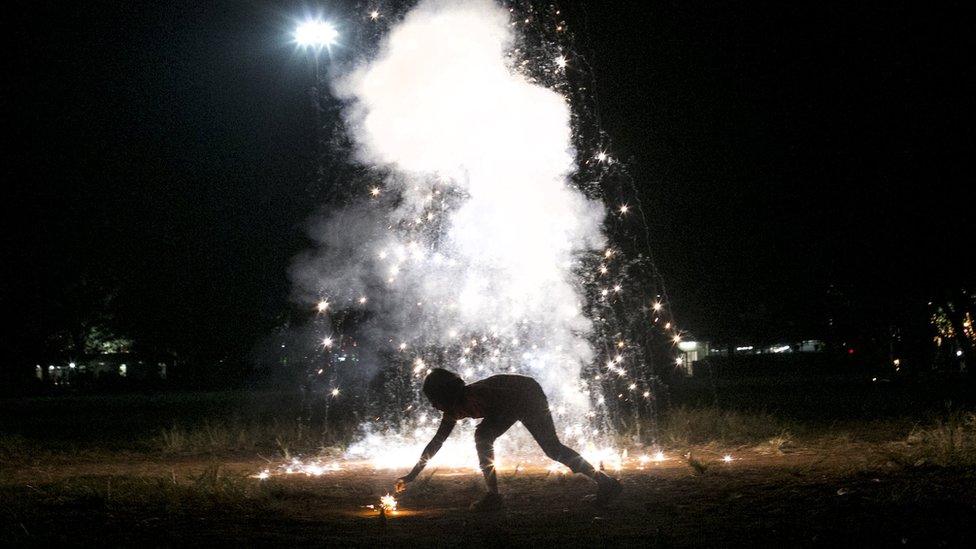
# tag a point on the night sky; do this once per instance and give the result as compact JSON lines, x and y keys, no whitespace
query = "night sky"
{"x":163,"y":151}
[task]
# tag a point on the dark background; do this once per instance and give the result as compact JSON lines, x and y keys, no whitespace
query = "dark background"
{"x":794,"y":158}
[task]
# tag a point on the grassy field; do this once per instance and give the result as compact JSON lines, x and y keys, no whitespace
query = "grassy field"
{"x":175,"y":468}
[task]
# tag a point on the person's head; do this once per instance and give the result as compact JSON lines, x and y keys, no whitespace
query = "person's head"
{"x":444,"y":389}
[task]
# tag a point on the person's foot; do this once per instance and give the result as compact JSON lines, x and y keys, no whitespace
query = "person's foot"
{"x":608,"y":488}
{"x":489,"y":502}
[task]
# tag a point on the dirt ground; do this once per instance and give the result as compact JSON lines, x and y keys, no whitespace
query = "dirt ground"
{"x":844,"y":495}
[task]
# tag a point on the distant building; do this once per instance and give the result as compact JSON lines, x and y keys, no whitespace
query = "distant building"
{"x":805,"y":346}
{"x":697,"y":357}
{"x":690,"y":352}
{"x":103,"y":368}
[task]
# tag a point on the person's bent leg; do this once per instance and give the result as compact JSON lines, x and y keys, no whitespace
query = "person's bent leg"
{"x":484,"y":439}
{"x":543,"y":430}
{"x":541,"y":427}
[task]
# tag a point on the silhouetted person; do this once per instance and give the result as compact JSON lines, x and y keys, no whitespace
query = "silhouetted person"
{"x":501,"y":400}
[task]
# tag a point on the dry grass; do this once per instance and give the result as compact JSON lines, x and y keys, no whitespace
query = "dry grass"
{"x":211,"y":489}
{"x":685,"y":426}
{"x":15,"y":447}
{"x":950,"y":441}
{"x":229,"y":437}
{"x":792,"y":484}
{"x":236,"y":437}
{"x":747,"y":503}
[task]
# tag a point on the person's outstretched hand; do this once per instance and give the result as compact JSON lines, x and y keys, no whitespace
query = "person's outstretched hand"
{"x":401,"y":483}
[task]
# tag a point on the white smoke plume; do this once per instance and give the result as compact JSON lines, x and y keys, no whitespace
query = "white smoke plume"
{"x":473,"y":235}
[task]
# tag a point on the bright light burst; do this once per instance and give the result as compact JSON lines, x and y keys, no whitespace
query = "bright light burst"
{"x":471,"y":145}
{"x":388,"y":503}
{"x":316,"y":33}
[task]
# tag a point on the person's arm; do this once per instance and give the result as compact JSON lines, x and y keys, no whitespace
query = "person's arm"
{"x":447,"y":425}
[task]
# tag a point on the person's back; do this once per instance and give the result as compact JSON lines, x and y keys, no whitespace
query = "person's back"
{"x":503,"y":395}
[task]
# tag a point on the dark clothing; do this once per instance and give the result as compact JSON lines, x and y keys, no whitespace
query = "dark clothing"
{"x":506,"y":395}
{"x":542,"y":429}
{"x":502,"y":400}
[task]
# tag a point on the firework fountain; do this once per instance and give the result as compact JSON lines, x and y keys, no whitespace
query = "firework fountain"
{"x":486,"y":229}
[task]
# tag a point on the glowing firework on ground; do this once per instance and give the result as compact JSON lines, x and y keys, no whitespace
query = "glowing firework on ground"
{"x":388,"y":503}
{"x":295,"y":466}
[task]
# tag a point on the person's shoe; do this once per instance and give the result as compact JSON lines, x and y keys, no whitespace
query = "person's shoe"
{"x":489,"y":502}
{"x":609,"y":488}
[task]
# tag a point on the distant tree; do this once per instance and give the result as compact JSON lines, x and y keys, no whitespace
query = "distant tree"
{"x":953,"y":319}
{"x":82,"y":319}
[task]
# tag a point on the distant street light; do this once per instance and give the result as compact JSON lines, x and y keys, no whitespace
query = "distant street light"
{"x":316,"y":33}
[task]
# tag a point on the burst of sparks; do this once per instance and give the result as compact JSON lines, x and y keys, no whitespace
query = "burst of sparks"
{"x":403,"y":258}
{"x":388,"y":503}
{"x":727,"y":458}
